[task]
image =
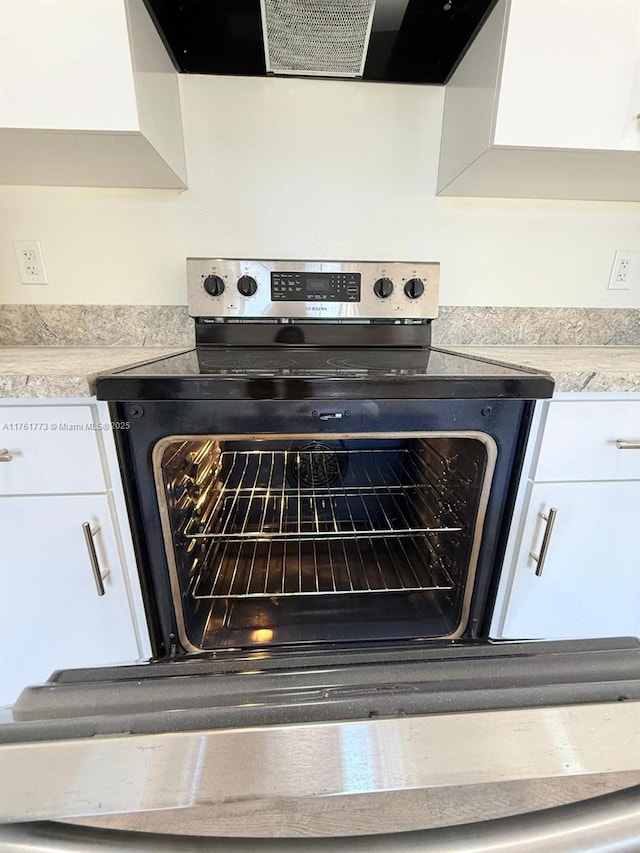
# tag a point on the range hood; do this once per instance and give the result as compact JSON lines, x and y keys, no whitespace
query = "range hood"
{"x":404,"y":41}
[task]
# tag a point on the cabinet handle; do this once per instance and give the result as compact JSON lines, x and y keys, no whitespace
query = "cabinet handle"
{"x":93,"y":557}
{"x":540,"y":558}
{"x":628,"y":444}
{"x":5,"y":456}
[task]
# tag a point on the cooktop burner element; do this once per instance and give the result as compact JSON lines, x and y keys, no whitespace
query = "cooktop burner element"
{"x":301,"y":362}
{"x":374,"y":361}
{"x":243,"y":361}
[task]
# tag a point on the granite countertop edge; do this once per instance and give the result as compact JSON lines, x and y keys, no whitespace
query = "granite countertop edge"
{"x":58,"y":372}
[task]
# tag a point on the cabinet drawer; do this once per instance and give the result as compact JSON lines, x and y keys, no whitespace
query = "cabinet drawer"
{"x":579,"y":441}
{"x":49,"y":450}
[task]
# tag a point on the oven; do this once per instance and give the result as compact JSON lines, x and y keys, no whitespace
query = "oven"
{"x":319,"y":501}
{"x":314,"y":472}
{"x":266,"y":526}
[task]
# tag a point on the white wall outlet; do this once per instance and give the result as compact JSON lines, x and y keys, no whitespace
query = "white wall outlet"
{"x":625,"y":272}
{"x":30,"y":261}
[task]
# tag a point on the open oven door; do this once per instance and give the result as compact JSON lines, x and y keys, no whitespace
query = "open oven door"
{"x":342,"y":743}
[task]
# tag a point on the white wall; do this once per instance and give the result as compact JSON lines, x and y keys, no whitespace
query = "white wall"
{"x":312,"y":169}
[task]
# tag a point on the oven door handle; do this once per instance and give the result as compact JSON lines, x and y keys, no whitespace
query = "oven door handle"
{"x":606,"y":823}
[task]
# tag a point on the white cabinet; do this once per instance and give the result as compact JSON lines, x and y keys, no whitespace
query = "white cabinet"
{"x":47,"y":450}
{"x":582,"y":464}
{"x":580,"y":441}
{"x":50,"y":610}
{"x":58,"y":472}
{"x":590,"y":580}
{"x":88,"y":96}
{"x":546,"y":102}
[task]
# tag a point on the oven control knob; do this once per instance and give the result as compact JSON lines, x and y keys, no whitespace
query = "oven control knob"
{"x":247,"y":285}
{"x":214,"y":285}
{"x":414,"y":288}
{"x":383,"y":288}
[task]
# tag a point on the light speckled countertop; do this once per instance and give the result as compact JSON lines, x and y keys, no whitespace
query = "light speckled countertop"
{"x":64,"y":371}
{"x":67,"y":371}
{"x":573,"y":368}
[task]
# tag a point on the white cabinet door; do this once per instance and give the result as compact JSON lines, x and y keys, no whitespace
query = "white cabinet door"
{"x":544,"y":104}
{"x":50,"y":450}
{"x":51,"y":615}
{"x":590,"y":582}
{"x":571,"y":75}
{"x":64,"y":38}
{"x":88,"y":96}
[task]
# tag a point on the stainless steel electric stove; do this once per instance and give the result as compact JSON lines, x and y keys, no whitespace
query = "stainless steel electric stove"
{"x":319,"y":501}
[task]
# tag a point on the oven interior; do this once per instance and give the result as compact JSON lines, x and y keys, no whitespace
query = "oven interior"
{"x":316,"y":539}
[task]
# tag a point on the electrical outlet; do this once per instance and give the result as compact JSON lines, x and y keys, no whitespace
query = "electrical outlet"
{"x":30,"y":262}
{"x":625,"y":272}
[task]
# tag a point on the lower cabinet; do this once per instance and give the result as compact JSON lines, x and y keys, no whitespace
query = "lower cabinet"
{"x":572,"y":562}
{"x":589,"y":580}
{"x":61,"y":500}
{"x":51,"y":612}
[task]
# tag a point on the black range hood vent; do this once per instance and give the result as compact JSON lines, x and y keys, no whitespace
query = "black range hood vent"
{"x":402,"y":41}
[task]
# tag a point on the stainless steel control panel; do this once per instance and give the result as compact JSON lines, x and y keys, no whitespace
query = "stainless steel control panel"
{"x":312,"y":290}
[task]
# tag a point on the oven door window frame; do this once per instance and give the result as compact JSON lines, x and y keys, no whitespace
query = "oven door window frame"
{"x":177,"y":591}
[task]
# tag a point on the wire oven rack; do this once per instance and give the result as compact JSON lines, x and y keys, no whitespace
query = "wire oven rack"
{"x":263,"y":532}
{"x":259,"y":507}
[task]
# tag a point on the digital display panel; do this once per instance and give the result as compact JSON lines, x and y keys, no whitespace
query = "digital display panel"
{"x":301,"y":286}
{"x":318,"y":285}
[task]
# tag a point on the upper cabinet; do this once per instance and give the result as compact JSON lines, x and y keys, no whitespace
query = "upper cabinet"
{"x":546,"y":104}
{"x":88,"y":96}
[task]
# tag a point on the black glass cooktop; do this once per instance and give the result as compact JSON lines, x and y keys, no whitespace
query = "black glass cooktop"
{"x":270,"y":373}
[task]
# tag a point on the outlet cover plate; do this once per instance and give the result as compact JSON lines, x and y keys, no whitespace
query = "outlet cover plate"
{"x":625,"y":272}
{"x":30,"y":261}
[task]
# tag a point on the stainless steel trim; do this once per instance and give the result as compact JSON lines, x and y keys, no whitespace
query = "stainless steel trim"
{"x":134,"y":773}
{"x":628,"y":444}
{"x":5,"y":456}
{"x":550,"y":520}
{"x":89,"y":533}
{"x":232,"y":304}
{"x":167,"y":533}
{"x":605,"y":824}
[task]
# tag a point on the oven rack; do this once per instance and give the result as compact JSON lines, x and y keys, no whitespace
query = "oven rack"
{"x":263,"y":504}
{"x":259,"y":569}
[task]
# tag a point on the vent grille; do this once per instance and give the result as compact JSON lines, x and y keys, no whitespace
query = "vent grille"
{"x":317,"y":37}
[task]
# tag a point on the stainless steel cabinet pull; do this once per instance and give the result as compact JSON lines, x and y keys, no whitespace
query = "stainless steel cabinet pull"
{"x":93,"y":557}
{"x":628,"y":444}
{"x":540,"y":558}
{"x":5,"y":456}
{"x":328,"y":416}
